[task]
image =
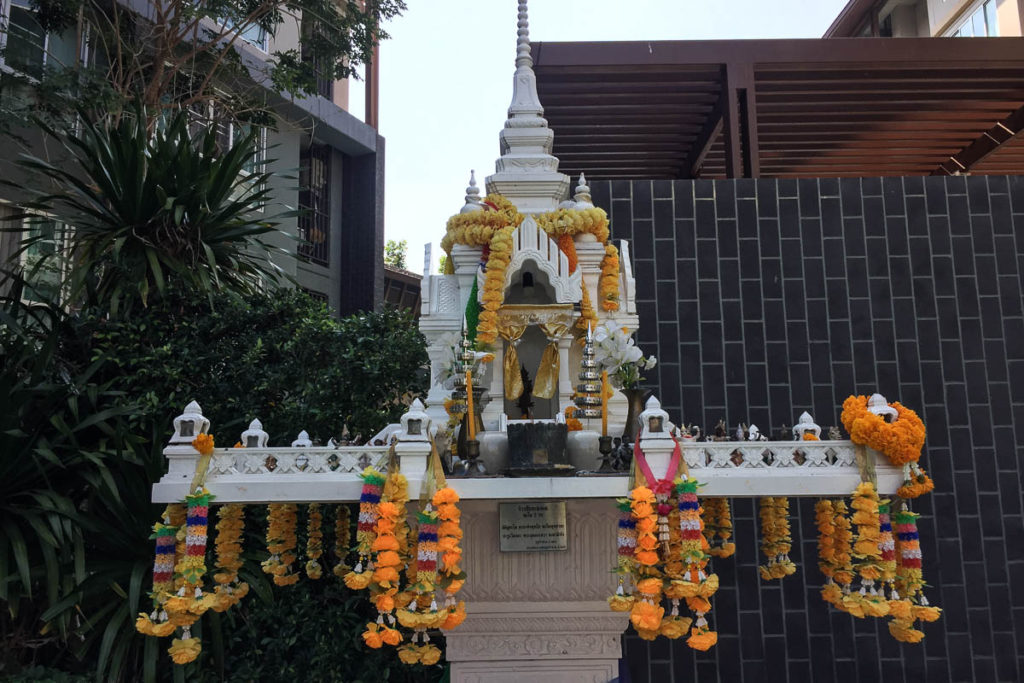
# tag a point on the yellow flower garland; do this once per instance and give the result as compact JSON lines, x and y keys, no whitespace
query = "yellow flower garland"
{"x":282,"y":519}
{"x":718,"y":527}
{"x":314,"y":540}
{"x":608,"y":285}
{"x":230,"y":525}
{"x":776,"y":541}
{"x":342,"y":538}
{"x":492,"y":226}
{"x":867,"y":551}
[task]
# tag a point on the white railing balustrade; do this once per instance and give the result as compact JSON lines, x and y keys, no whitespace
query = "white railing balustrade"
{"x":302,"y":472}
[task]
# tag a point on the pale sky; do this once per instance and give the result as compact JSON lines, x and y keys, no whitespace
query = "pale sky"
{"x":446,"y":82}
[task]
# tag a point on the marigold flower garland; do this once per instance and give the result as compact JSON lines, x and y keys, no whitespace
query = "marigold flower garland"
{"x":491,"y":228}
{"x":776,"y":541}
{"x":900,"y":441}
{"x":314,"y":540}
{"x":342,"y":538}
{"x":282,"y":521}
{"x":697,"y":586}
{"x":608,"y":284}
{"x":717,"y":520}
{"x":867,"y":602}
{"x":230,"y":525}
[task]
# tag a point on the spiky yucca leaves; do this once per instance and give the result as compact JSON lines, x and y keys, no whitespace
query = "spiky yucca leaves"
{"x":141,"y":210}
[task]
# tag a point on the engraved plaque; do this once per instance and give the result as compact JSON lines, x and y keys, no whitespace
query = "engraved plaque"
{"x":532,"y":526}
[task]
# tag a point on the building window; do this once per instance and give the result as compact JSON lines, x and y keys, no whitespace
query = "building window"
{"x":229,"y":131}
{"x":324,"y":71}
{"x":315,"y":204}
{"x":253,"y":34}
{"x":41,"y":261}
{"x":980,"y":23}
{"x":22,"y":39}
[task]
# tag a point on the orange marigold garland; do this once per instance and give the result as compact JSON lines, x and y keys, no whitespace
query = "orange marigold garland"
{"x":450,"y":575}
{"x":385,"y":576}
{"x":776,"y":541}
{"x":901,"y":440}
{"x":646,"y":613}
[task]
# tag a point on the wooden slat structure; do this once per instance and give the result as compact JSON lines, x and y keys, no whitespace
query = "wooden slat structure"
{"x":784,"y":108}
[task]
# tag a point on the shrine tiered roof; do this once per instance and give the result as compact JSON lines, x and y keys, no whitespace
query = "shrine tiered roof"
{"x":784,"y":108}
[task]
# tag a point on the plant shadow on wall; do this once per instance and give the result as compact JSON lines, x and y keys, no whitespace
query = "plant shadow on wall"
{"x":89,"y":385}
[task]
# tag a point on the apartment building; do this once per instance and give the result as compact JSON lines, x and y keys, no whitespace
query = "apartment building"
{"x":929,"y":18}
{"x":338,"y":157}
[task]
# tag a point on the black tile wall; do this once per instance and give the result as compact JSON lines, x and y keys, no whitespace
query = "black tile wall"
{"x":780,"y":296}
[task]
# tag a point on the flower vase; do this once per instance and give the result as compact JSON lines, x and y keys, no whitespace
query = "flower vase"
{"x":636,"y":399}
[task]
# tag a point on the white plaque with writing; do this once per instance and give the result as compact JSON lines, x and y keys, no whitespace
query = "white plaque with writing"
{"x":532,"y":526}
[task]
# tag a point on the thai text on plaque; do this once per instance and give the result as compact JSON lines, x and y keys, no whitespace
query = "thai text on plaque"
{"x":532,"y":526}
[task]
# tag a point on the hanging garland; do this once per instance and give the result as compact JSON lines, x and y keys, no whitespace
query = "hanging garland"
{"x":901,"y":440}
{"x":697,"y":581}
{"x":717,"y":520}
{"x":491,"y":228}
{"x":373,"y":485}
{"x":228,"y":546}
{"x":342,"y":538}
{"x":625,"y":567}
{"x":776,"y":541}
{"x":908,"y":603}
{"x":608,"y":284}
{"x":867,"y":602}
{"x":282,"y":522}
{"x":157,"y":623}
{"x":314,"y":540}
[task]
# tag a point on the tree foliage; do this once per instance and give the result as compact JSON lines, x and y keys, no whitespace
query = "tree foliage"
{"x":180,"y":53}
{"x":395,"y":253}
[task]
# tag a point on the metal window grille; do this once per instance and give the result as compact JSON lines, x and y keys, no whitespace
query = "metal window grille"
{"x":315,"y":204}
{"x":324,"y":70}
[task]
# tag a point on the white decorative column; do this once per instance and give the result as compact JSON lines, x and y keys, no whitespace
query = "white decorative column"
{"x":541,"y":617}
{"x":565,"y":384}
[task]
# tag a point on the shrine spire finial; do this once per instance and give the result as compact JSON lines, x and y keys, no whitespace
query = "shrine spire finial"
{"x":527,"y":172}
{"x":523,"y":57}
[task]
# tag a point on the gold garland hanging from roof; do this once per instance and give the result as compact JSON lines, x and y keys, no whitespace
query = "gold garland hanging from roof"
{"x":491,"y":228}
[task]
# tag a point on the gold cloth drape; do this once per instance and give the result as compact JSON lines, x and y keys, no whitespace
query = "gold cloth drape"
{"x":513,"y":380}
{"x":546,"y":383}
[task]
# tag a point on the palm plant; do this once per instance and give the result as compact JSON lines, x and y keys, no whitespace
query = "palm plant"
{"x":141,"y":210}
{"x":58,"y":429}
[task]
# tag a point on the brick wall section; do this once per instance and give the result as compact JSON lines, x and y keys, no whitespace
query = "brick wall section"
{"x":764,"y":298}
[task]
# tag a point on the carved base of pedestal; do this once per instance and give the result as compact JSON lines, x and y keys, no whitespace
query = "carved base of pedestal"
{"x":549,"y":642}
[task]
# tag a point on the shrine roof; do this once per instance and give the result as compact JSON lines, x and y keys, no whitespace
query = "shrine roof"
{"x":784,"y":108}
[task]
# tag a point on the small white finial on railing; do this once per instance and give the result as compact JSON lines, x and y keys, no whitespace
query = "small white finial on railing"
{"x":303,"y":440}
{"x":254,"y":436}
{"x":806,"y":424}
{"x":879,"y":406}
{"x":654,"y":422}
{"x":190,"y":424}
{"x":472,"y":195}
{"x":582,"y":197}
{"x":415,"y":423}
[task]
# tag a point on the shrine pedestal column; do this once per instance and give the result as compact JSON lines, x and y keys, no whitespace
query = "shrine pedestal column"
{"x":539,"y":616}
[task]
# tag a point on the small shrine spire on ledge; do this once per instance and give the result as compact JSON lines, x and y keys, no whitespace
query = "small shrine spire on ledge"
{"x":527,"y":172}
{"x":472,"y":195}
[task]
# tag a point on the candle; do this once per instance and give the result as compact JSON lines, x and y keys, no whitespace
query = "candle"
{"x":470,"y":418}
{"x":604,"y":403}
